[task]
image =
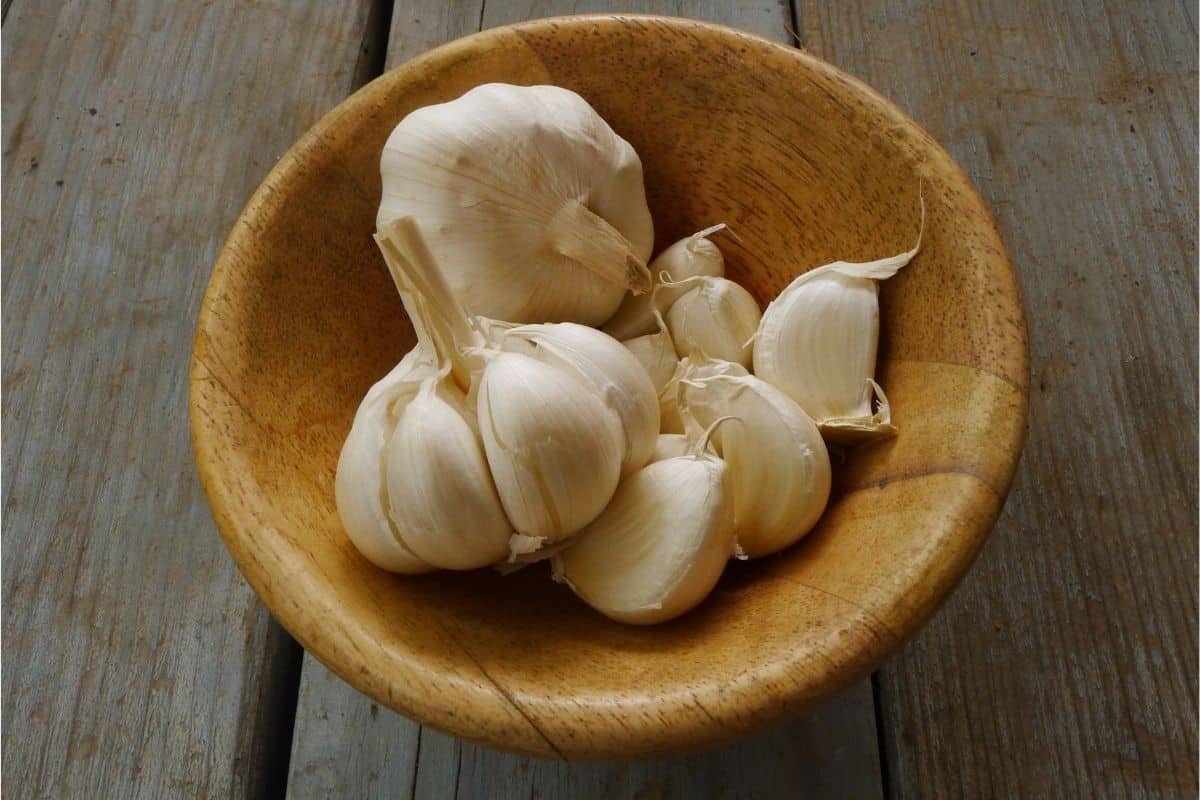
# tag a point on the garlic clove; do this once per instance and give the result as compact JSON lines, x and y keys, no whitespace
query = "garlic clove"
{"x":533,"y":206}
{"x":716,"y":316}
{"x":818,"y":342}
{"x":689,"y":257}
{"x":440,"y":490}
{"x":603,"y":363}
{"x":554,"y":448}
{"x":656,"y":353}
{"x":778,"y":463}
{"x":695,"y":366}
{"x":671,"y":445}
{"x":660,"y":546}
{"x":360,"y":486}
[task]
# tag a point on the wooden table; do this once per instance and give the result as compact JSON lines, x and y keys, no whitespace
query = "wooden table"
{"x":137,"y":662}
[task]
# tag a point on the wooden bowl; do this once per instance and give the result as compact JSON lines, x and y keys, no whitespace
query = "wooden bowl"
{"x":807,"y":165}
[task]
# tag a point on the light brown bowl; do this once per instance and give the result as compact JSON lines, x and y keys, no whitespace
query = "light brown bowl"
{"x":807,"y":165}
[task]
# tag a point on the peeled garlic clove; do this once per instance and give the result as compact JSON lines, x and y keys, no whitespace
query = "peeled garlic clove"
{"x":611,"y":370}
{"x":534,"y":208}
{"x":440,"y":490}
{"x":661,"y":544}
{"x":554,"y":447}
{"x":817,"y":341}
{"x":360,"y":487}
{"x":716,"y":316}
{"x":778,"y":463}
{"x":688,"y":258}
{"x":695,"y":366}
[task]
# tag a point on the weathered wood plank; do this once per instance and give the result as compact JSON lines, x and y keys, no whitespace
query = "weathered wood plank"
{"x":137,"y":663}
{"x":348,"y":747}
{"x":424,"y":24}
{"x":769,"y":18}
{"x":1065,"y":666}
{"x":830,"y":753}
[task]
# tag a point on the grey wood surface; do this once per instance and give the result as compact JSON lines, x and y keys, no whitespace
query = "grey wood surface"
{"x":137,"y":662}
{"x":1065,"y":666}
{"x":345,"y":745}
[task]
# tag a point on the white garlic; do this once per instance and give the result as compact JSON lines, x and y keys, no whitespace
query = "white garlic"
{"x":817,"y":342}
{"x":778,"y":463}
{"x":532,"y":205}
{"x":671,"y":445}
{"x":360,"y":486}
{"x":716,"y":316}
{"x":695,"y":366}
{"x":555,"y":449}
{"x":440,"y":490}
{"x":690,"y":257}
{"x":656,"y":353}
{"x":661,"y":544}
{"x":610,"y":369}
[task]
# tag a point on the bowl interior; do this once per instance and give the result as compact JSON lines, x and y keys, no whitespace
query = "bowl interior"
{"x":807,"y":166}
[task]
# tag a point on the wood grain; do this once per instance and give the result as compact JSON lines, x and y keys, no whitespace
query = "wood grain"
{"x":355,"y":748}
{"x":831,"y":752}
{"x":513,"y":662}
{"x":137,"y":663}
{"x":1066,"y":664}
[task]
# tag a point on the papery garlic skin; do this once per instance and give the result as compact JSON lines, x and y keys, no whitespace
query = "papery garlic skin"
{"x":817,"y":341}
{"x":360,"y":488}
{"x":609,"y":368}
{"x":716,"y":316}
{"x":690,"y":257}
{"x":659,"y":547}
{"x":532,"y":206}
{"x":554,"y":448}
{"x":695,"y":366}
{"x":778,"y":463}
{"x":656,"y":353}
{"x":671,"y":445}
{"x":440,"y":490}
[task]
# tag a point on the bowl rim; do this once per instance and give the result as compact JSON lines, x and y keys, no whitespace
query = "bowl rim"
{"x":721,"y":727}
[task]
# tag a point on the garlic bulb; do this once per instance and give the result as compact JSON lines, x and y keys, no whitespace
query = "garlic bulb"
{"x":694,"y":367}
{"x":817,"y":342}
{"x":528,"y":200}
{"x":689,"y":257}
{"x":656,"y":353}
{"x":360,"y":486}
{"x":555,"y":449}
{"x":604,"y":364}
{"x":716,"y":316}
{"x":439,"y":487}
{"x":778,"y":463}
{"x":661,"y":544}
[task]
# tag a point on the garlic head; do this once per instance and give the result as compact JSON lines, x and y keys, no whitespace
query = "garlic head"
{"x":778,"y":463}
{"x":690,"y":257}
{"x":718,"y":317}
{"x":608,"y":367}
{"x":532,"y":205}
{"x":661,"y":544}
